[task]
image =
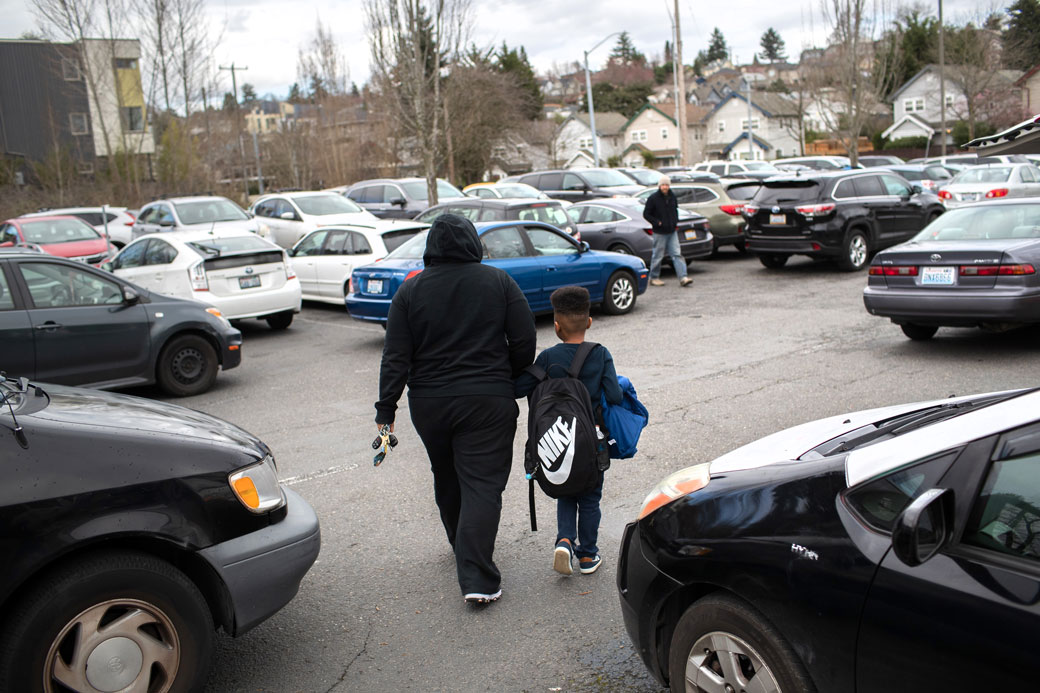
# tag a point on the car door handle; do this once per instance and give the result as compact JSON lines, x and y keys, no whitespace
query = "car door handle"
{"x":550,"y":269}
{"x":49,"y":325}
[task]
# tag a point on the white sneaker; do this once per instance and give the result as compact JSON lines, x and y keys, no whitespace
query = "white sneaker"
{"x":479,"y":598}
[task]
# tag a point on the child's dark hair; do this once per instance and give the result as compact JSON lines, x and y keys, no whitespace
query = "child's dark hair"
{"x":571,"y":307}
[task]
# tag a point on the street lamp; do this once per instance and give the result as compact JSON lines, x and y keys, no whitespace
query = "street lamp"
{"x":588,"y":96}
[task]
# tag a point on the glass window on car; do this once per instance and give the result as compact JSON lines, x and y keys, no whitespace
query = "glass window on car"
{"x":373,"y":194}
{"x":483,"y":193}
{"x":868,"y":186}
{"x":1027,"y":174}
{"x":283,"y":207}
{"x":548,"y":242}
{"x":58,"y":230}
{"x":550,"y":181}
{"x":163,"y":215}
{"x":396,"y":238}
{"x":8,"y":235}
{"x":545,"y":212}
{"x":880,"y":502}
{"x":718,"y":169}
{"x":412,"y":249}
{"x":600,"y":215}
{"x":324,"y":205}
{"x":503,"y":242}
{"x":490,"y":213}
{"x":311,"y":245}
{"x":92,"y":218}
{"x":983,"y":174}
{"x":338,"y":243}
{"x":844,"y":190}
{"x":231,"y":244}
{"x":936,"y":173}
{"x":131,"y":256}
{"x":742,"y":191}
{"x":359,"y":243}
{"x":6,"y":299}
{"x":1018,"y":221}
{"x":894,"y":186}
{"x":572,"y":182}
{"x":159,"y":253}
{"x":787,"y":192}
{"x":471,"y":212}
{"x":1006,"y":515}
{"x":209,"y":211}
{"x":262,"y":209}
{"x":53,"y":285}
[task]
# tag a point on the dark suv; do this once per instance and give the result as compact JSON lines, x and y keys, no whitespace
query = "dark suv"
{"x":485,"y":209}
{"x":583,"y":184}
{"x":845,"y":215}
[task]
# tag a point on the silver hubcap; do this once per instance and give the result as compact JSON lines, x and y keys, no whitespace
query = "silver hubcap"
{"x":622,"y":293}
{"x":723,"y":663}
{"x":857,"y":250}
{"x":118,"y":645}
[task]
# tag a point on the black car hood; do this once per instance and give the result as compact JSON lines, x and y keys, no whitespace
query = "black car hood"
{"x":111,"y":413}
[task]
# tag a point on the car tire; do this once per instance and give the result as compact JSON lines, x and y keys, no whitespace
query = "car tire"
{"x":619,"y":296}
{"x":154,"y":619}
{"x":855,"y":251}
{"x":620,"y":248}
{"x":280,"y":321}
{"x":773,"y":260}
{"x":716,"y":622}
{"x":919,"y":333}
{"x":187,"y":366}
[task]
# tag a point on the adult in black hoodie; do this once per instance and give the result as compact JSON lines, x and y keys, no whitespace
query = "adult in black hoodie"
{"x":458,"y":334}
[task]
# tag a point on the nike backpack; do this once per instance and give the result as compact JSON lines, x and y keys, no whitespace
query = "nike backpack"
{"x":563,"y":452}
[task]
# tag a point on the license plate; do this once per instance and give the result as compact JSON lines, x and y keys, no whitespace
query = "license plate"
{"x":778,"y":220}
{"x":938,"y":276}
{"x":248,"y":282}
{"x":691,"y":235}
{"x":969,"y":197}
{"x":375,"y":286}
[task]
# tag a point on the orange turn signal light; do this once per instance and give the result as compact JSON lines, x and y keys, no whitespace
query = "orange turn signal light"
{"x":245,"y":489}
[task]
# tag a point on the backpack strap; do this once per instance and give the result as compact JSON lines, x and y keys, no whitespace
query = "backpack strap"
{"x":530,"y":501}
{"x":537,"y":371}
{"x":584,"y":349}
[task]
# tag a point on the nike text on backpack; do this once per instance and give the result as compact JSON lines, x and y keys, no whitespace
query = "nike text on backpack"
{"x":563,"y":452}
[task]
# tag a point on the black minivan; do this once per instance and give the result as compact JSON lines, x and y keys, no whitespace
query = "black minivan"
{"x":845,"y":215}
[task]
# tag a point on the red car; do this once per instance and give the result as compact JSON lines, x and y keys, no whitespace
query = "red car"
{"x":64,"y":236}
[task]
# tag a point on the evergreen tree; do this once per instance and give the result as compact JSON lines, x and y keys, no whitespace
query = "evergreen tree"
{"x":918,"y":44}
{"x":668,"y":51}
{"x":626,"y":99}
{"x":717,"y":48}
{"x":248,"y":94}
{"x":1022,"y":36}
{"x":773,"y":48}
{"x":625,"y":51}
{"x":514,"y":62}
{"x":295,"y":95}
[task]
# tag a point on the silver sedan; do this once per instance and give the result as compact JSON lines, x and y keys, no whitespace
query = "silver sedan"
{"x":991,"y":182}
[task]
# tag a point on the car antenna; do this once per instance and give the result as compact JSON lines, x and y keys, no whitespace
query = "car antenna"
{"x":19,"y":432}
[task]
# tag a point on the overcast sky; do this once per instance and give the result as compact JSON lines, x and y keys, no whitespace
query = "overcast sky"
{"x":266,"y":35}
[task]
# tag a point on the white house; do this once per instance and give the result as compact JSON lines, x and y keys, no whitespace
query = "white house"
{"x":573,"y":142}
{"x":655,"y":129}
{"x":774,"y":127}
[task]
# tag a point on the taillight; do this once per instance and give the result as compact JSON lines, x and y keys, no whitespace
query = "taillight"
{"x":814,"y":210}
{"x":997,"y":192}
{"x":649,"y":232}
{"x":133,"y":220}
{"x":945,"y":195}
{"x":893,"y":271}
{"x":412,"y":274}
{"x":350,"y":285}
{"x":750,"y":210}
{"x":290,"y":273}
{"x":995,"y":270}
{"x":197,"y":277}
{"x":734,"y":210}
{"x":1016,"y":270}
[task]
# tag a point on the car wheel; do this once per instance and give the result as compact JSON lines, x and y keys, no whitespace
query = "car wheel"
{"x":919,"y":333}
{"x":773,"y":260}
{"x":620,"y":294}
{"x":115,"y":621}
{"x":620,"y":248}
{"x":855,"y":253}
{"x":722,"y":644}
{"x":187,"y":366}
{"x":280,"y":321}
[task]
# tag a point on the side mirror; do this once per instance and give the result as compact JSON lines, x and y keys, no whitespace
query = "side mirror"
{"x":917,"y":189}
{"x":584,"y":247}
{"x":166,"y":222}
{"x":130,"y":297}
{"x":923,"y":528}
{"x":291,"y":252}
{"x":288,"y":216}
{"x":398,"y":201}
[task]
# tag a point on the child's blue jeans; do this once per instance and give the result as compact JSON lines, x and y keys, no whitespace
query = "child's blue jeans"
{"x":577,"y":517}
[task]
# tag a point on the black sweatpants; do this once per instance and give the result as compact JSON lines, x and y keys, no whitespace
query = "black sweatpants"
{"x":469,"y":440}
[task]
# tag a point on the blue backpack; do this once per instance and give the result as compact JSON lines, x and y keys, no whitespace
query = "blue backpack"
{"x":625,"y":422}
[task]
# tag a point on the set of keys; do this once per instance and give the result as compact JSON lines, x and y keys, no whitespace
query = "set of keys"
{"x":384,"y":442}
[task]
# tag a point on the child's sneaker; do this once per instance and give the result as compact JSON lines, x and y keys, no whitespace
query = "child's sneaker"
{"x":562,"y":557}
{"x":589,"y":564}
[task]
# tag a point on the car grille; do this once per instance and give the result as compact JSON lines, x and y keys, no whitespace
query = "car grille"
{"x":91,"y":259}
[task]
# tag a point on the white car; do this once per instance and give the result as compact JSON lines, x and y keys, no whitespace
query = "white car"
{"x":239,"y":273}
{"x":729,"y":168}
{"x":990,"y":182}
{"x":120,"y":222}
{"x":324,"y":258}
{"x":285,"y":218}
{"x":210,"y":213}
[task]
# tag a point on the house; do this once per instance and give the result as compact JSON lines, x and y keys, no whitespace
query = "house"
{"x":572,"y":145}
{"x":712,"y":90}
{"x":1029,"y":86}
{"x":655,"y":129}
{"x":84,"y":99}
{"x":774,"y":127}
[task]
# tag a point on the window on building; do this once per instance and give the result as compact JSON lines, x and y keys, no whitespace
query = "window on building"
{"x":85,"y":169}
{"x":722,"y":126}
{"x":664,"y":133}
{"x":126,"y":63}
{"x":585,"y":143}
{"x":913,"y":105}
{"x":639,"y":135}
{"x":754,"y":124}
{"x":78,"y":124}
{"x":70,"y":70}
{"x":133,"y":118}
{"x":949,"y":101}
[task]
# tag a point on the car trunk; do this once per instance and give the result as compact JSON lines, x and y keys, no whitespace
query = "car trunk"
{"x":232,"y":275}
{"x":950,"y":265}
{"x":773,"y":213}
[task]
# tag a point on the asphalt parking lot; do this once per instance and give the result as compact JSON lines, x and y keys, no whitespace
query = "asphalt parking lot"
{"x":742,"y":353}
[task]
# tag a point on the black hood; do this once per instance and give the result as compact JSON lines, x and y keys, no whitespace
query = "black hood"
{"x":452,"y":239}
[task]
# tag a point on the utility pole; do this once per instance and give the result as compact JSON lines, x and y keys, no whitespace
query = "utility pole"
{"x":942,"y":84}
{"x":675,"y":74}
{"x":680,"y":97}
{"x":238,"y":121}
{"x":259,"y":169}
{"x":750,"y":136}
{"x":588,"y":96}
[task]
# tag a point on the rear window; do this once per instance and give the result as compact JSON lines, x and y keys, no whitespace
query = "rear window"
{"x":412,"y":249}
{"x":788,"y":191}
{"x":546,"y":212}
{"x":997,"y":174}
{"x":395,"y":239}
{"x":209,"y":211}
{"x":234,"y":244}
{"x":742,"y":191}
{"x":910,"y":174}
{"x":324,"y":205}
{"x":989,"y":222}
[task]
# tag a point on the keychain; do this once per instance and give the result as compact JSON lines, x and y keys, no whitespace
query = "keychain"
{"x":385,"y":440}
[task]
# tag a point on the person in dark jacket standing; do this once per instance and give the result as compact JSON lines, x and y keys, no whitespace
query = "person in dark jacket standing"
{"x":662,"y":211}
{"x":458,"y":334}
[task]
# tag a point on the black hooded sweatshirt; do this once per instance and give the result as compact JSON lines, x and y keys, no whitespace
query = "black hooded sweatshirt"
{"x":457,"y":328}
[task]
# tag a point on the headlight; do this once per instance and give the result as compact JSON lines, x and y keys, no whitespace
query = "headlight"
{"x":215,"y":312}
{"x":256,"y":486}
{"x":676,"y":486}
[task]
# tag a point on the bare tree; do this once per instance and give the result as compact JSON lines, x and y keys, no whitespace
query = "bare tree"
{"x":411,"y":42}
{"x":974,"y":57}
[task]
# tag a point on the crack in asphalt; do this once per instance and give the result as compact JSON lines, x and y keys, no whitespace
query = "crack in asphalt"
{"x":363,"y":650}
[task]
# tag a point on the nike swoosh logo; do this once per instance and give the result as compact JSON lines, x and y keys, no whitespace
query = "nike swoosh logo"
{"x":560,"y":475}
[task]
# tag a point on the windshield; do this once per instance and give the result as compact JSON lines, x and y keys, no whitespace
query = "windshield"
{"x":989,"y":222}
{"x":517,"y":190}
{"x":417,"y":190}
{"x":412,"y":249}
{"x":547,"y":212}
{"x":758,"y":166}
{"x":234,"y":244}
{"x":606,"y":178}
{"x":323,"y":205}
{"x":788,"y":191}
{"x":209,"y":211}
{"x":58,"y":231}
{"x":645,"y":176}
{"x":997,"y":174}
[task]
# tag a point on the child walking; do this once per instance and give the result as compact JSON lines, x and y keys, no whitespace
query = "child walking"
{"x":577,"y":517}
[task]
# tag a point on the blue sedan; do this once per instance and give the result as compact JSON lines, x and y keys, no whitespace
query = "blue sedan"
{"x":540,"y":257}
